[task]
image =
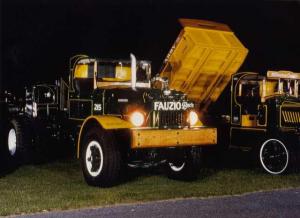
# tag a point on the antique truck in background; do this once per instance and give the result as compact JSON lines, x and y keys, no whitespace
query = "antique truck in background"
{"x":265,"y":110}
{"x":265,"y":117}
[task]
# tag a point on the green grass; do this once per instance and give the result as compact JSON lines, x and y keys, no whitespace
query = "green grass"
{"x":60,"y":185}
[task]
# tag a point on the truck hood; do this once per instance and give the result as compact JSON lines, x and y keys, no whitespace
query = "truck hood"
{"x":122,"y":100}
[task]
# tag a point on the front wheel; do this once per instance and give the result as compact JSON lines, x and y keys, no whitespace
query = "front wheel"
{"x":186,"y":167}
{"x":274,"y":156}
{"x":100,"y":158}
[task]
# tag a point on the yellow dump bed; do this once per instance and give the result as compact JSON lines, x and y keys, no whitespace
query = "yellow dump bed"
{"x":202,"y":60}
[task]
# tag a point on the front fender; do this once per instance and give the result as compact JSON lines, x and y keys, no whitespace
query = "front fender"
{"x":106,"y":122}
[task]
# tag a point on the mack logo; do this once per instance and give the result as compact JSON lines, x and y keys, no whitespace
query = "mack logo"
{"x":172,"y":105}
{"x":187,"y":105}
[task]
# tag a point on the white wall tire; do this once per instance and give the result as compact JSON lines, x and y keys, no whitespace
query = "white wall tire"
{"x":94,"y":158}
{"x":100,"y":158}
{"x":185,"y":165}
{"x":274,"y":156}
{"x":12,"y":142}
{"x":183,"y":170}
{"x":176,"y":167}
{"x":16,"y":142}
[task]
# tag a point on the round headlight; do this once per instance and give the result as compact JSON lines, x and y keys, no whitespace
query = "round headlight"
{"x":193,"y":118}
{"x":137,"y":118}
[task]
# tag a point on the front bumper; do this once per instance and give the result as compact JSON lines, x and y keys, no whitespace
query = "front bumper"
{"x":158,"y":138}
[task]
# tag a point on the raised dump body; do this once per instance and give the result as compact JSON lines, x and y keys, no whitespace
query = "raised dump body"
{"x":202,"y":60}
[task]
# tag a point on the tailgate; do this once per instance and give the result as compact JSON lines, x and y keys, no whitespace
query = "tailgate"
{"x":202,"y":60}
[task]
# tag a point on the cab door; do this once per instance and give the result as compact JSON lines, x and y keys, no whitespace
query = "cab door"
{"x":247,"y":121}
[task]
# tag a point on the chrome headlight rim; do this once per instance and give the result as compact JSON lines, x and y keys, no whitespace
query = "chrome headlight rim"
{"x":193,"y":118}
{"x":137,"y":118}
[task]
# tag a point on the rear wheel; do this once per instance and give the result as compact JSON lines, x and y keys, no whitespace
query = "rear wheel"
{"x":100,"y":158}
{"x":15,"y":141}
{"x":12,"y":142}
{"x":274,"y":156}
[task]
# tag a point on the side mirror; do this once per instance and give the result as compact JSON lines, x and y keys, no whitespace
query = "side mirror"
{"x":49,"y":97}
{"x":133,"y":71}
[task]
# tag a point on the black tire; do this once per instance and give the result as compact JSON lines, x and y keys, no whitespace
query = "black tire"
{"x":185,"y":168}
{"x":16,"y":142}
{"x":274,"y":156}
{"x":100,"y":158}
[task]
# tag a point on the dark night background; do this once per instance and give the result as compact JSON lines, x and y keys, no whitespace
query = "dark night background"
{"x":38,"y":37}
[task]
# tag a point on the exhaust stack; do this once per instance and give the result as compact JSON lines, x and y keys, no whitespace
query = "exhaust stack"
{"x":133,"y":71}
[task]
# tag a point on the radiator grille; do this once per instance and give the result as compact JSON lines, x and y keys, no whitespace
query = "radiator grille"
{"x":291,"y":116}
{"x":167,"y":118}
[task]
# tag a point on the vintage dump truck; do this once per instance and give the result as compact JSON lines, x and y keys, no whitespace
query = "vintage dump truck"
{"x":265,"y":110}
{"x":124,"y":118}
{"x":116,"y":117}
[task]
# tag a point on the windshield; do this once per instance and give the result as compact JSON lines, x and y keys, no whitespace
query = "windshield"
{"x":121,"y":71}
{"x":255,"y":89}
{"x":284,"y":87}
